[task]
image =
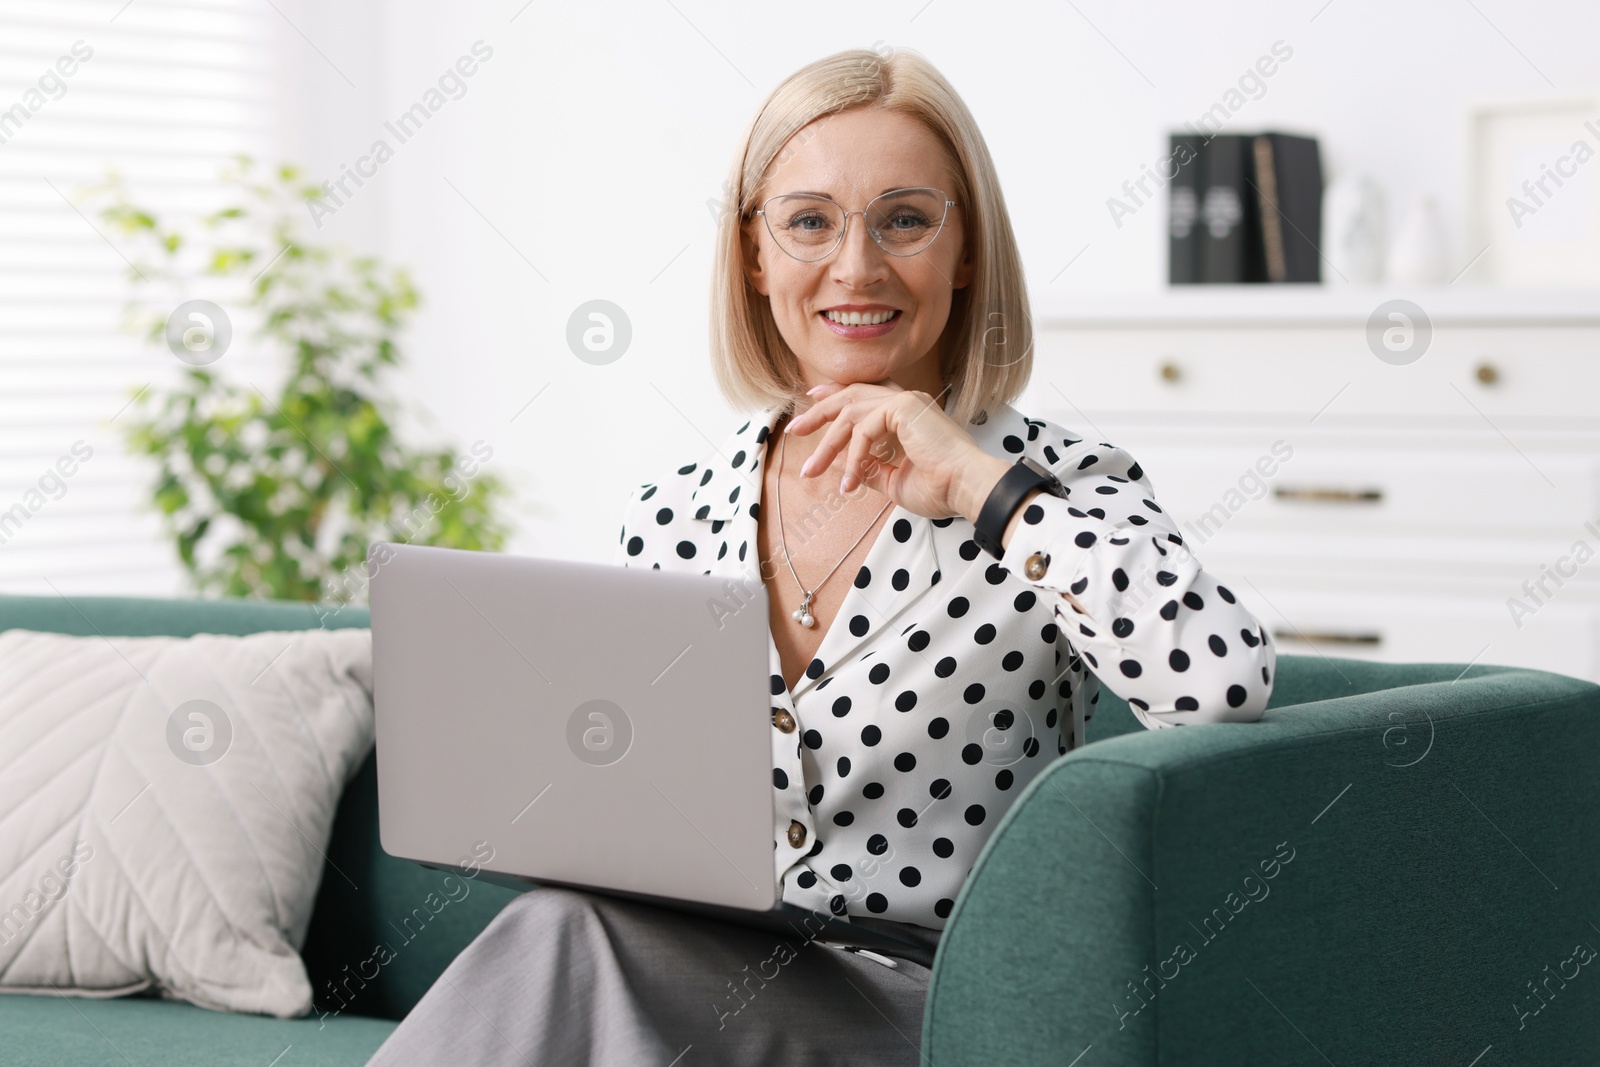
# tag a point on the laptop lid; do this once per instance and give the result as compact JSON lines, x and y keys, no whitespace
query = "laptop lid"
{"x":594,"y":725}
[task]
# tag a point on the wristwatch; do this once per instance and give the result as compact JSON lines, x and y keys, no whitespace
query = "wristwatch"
{"x":1013,"y":487}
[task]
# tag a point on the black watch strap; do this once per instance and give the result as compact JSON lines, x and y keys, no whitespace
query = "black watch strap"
{"x":1004,"y":499}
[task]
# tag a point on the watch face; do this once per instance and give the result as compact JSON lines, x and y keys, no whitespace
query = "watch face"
{"x":1054,"y":487}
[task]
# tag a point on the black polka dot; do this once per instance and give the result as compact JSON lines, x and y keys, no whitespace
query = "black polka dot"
{"x":871,"y":735}
{"x":1178,"y":659}
{"x":812,"y":739}
{"x":905,"y":761}
{"x":938,"y":726}
{"x":841,"y":707}
{"x":939,"y":788}
{"x":877,"y":844}
{"x":779,"y":778}
{"x":910,"y":876}
{"x":1236,"y":695}
{"x":872,"y":790}
{"x":1131,"y":668}
{"x":877,"y":903}
{"x":906,"y":700}
{"x":975,"y":814}
{"x":1218,"y":645}
{"x":841,"y":872}
{"x":906,"y":817}
{"x":943,"y":847}
{"x":943,"y":908}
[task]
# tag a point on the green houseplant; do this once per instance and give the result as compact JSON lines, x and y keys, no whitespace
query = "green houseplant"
{"x":278,"y":492}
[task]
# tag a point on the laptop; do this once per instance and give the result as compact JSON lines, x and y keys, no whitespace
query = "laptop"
{"x":582,"y":725}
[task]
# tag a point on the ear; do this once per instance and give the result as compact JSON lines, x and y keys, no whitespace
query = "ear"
{"x":750,"y":258}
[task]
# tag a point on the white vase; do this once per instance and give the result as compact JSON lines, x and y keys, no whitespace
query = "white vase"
{"x":1420,"y":255}
{"x":1354,"y":231}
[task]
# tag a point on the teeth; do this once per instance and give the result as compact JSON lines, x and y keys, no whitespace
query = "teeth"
{"x":859,"y":318}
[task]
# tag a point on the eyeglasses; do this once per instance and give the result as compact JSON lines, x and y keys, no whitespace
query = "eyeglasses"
{"x":903,"y":222}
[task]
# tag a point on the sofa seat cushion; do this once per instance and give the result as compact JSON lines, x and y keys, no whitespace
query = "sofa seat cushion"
{"x":46,"y":1031}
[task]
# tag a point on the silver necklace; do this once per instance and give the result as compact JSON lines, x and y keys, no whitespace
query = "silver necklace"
{"x":802,"y":614}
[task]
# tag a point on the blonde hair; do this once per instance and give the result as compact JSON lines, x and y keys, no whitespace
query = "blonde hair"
{"x":986,"y":348}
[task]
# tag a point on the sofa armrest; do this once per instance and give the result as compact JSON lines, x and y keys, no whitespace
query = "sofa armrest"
{"x":1384,"y":877}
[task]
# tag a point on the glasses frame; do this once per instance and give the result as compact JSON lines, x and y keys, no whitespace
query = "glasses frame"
{"x":844,"y":231}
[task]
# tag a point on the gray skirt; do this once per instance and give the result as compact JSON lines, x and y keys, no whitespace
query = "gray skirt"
{"x":567,"y":977}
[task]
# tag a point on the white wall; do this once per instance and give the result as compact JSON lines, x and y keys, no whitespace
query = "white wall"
{"x":582,"y":107}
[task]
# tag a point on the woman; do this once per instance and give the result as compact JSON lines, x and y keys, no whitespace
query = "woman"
{"x":869,"y":302}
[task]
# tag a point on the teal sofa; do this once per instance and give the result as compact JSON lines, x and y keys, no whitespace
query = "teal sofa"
{"x":1394,"y":866}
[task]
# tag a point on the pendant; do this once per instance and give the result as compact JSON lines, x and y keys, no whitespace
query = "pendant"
{"x":802,"y":614}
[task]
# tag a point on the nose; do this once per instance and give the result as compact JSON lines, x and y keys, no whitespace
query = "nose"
{"x":858,"y":261}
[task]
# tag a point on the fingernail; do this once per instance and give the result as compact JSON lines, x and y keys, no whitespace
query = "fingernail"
{"x":813,"y":390}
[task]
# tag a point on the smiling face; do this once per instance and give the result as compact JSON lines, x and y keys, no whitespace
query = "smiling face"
{"x":852,"y":157}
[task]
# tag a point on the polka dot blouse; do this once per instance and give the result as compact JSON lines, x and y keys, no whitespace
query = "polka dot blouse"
{"x":948,"y":679}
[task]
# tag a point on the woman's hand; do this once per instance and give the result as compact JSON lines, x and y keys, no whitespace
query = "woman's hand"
{"x":901,"y":443}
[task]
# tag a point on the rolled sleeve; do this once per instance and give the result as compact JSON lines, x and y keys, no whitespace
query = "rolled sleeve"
{"x":1155,"y":627}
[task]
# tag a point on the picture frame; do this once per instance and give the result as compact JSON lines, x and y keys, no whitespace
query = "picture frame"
{"x":1533,"y":197}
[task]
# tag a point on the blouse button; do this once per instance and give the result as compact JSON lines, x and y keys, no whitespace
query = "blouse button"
{"x":1035,"y":566}
{"x":783,"y":720}
{"x":797,"y":834}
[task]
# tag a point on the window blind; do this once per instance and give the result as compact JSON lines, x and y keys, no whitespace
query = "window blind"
{"x":166,"y":93}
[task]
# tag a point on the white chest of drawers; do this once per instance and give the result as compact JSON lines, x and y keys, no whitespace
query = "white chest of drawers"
{"x":1446,"y":509}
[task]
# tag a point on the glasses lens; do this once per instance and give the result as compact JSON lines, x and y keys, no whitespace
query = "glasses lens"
{"x":906,"y":221}
{"x":806,"y":227}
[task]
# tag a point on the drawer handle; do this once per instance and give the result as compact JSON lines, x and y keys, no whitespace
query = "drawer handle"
{"x":1341,"y":496}
{"x":1332,"y":637}
{"x":1170,"y":371}
{"x":1487,"y":374}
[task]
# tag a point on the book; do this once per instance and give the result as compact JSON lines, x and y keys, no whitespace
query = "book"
{"x":1230,"y":248}
{"x":1288,"y":187}
{"x":1183,"y":209}
{"x":1257,"y":210}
